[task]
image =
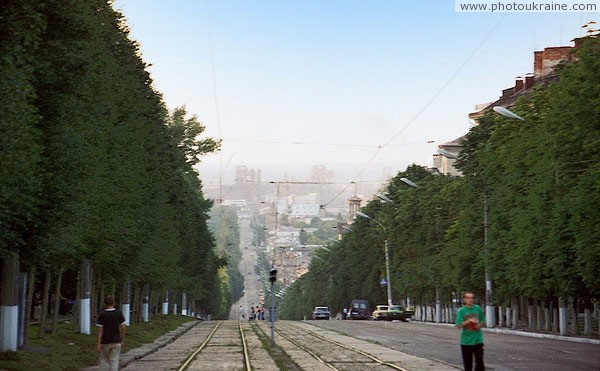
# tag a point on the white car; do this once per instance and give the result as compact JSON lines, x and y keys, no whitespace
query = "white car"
{"x":321,"y":313}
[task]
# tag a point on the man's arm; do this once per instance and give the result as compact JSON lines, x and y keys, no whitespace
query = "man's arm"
{"x":122,"y":329}
{"x":100,"y":330}
{"x":482,"y":321}
{"x":460,"y":320}
{"x":462,"y":323}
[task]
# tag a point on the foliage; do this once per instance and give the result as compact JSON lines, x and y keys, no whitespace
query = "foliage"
{"x":541,"y":179}
{"x":93,"y":165}
{"x":73,"y":351}
{"x":223,"y":224}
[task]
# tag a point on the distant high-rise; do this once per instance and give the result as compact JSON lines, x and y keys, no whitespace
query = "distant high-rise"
{"x":321,"y":175}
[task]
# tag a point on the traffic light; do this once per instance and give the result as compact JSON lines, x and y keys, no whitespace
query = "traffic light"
{"x":273,"y":275}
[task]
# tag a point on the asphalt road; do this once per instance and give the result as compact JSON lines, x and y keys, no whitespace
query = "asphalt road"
{"x":502,"y":351}
{"x":246,"y":267}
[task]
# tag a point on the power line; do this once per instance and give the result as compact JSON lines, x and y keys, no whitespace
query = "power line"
{"x":418,"y":114}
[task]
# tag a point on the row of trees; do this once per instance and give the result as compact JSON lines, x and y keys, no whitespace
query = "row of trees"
{"x":224,"y":225}
{"x":542,"y":180}
{"x":92,"y":165}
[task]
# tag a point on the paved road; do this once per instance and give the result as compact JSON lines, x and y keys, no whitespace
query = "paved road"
{"x":219,"y":345}
{"x":246,"y":267}
{"x":502,"y":351}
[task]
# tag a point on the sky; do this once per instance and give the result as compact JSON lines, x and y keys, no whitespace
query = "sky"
{"x":360,"y":87}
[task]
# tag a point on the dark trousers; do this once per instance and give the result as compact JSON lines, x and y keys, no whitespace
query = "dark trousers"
{"x":467,"y":354}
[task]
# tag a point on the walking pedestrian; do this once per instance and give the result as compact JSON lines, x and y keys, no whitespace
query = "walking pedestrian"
{"x":111,"y":335}
{"x":470,"y":318}
{"x":241,"y":312}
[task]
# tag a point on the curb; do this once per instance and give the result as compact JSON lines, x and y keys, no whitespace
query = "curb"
{"x":161,"y":342}
{"x":144,"y":350}
{"x":523,"y":333}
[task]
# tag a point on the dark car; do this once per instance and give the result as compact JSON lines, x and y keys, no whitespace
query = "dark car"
{"x":397,"y":312}
{"x":359,"y":309}
{"x":321,"y":313}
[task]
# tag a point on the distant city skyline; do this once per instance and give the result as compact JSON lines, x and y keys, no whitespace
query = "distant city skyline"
{"x":355,"y":86}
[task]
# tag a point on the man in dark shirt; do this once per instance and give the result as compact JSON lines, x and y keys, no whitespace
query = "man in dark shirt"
{"x":111,"y":335}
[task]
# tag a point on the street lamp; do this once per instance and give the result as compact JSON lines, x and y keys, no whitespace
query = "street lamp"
{"x":384,"y":198}
{"x":448,"y":154}
{"x":409,"y":182}
{"x":489,"y":302}
{"x":507,"y":113}
{"x":490,"y":309}
{"x":387,"y":256}
{"x":325,"y":248}
{"x":319,"y":258}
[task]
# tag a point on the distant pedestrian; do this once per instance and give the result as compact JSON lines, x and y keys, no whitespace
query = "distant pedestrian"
{"x":242,"y":313}
{"x":262,"y":313}
{"x":252,"y":314}
{"x":470,"y":318}
{"x":111,"y":335}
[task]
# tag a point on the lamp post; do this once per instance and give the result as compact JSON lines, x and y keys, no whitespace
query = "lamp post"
{"x":387,"y":256}
{"x":490,"y":309}
{"x":490,"y":313}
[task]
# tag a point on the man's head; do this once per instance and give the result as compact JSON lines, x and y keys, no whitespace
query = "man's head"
{"x":109,"y":301}
{"x":468,"y":298}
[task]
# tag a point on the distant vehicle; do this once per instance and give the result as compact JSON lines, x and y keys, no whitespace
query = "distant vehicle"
{"x":381,"y":312}
{"x":359,"y":309}
{"x":391,"y":313}
{"x":399,"y":312}
{"x":321,"y":313}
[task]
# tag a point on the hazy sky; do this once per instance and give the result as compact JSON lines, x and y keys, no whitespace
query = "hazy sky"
{"x":356,"y":86}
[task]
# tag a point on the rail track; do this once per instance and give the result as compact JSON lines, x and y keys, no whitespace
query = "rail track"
{"x":246,"y":345}
{"x":221,"y":346}
{"x":331,"y":354}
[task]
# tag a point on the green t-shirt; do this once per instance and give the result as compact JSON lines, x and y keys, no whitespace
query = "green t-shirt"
{"x":468,"y":336}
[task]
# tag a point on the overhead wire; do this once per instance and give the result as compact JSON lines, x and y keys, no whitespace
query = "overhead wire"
{"x":215,"y":96}
{"x":429,"y":102}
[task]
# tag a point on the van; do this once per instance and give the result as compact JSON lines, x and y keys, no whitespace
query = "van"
{"x":359,"y":309}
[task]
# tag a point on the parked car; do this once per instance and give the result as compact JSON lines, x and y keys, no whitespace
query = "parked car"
{"x":359,"y":309}
{"x":321,"y":313}
{"x":392,"y":312}
{"x":398,"y":312}
{"x":381,"y":312}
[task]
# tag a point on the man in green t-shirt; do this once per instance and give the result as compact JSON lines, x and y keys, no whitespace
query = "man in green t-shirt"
{"x":470,"y":318}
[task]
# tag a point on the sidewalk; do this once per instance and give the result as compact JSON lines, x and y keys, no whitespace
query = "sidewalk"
{"x":146,"y":349}
{"x":573,"y":339}
{"x":149,"y":348}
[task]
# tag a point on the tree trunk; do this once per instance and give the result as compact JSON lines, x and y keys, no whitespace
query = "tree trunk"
{"x":562,"y":313}
{"x":101,"y":295}
{"x":76,"y":324}
{"x":546,"y":316}
{"x":45,"y":297}
{"x":29,"y":305}
{"x":530,"y":319}
{"x":97,"y":297}
{"x":57,"y":298}
{"x":574,"y":307}
{"x":136,"y":303}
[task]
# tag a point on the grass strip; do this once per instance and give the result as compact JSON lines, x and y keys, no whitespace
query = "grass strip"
{"x":281,"y":358}
{"x":69,"y":350}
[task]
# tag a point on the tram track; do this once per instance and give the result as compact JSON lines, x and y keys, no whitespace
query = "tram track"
{"x":302,"y":344}
{"x":305,"y":339}
{"x":246,"y":345}
{"x":223,"y":337}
